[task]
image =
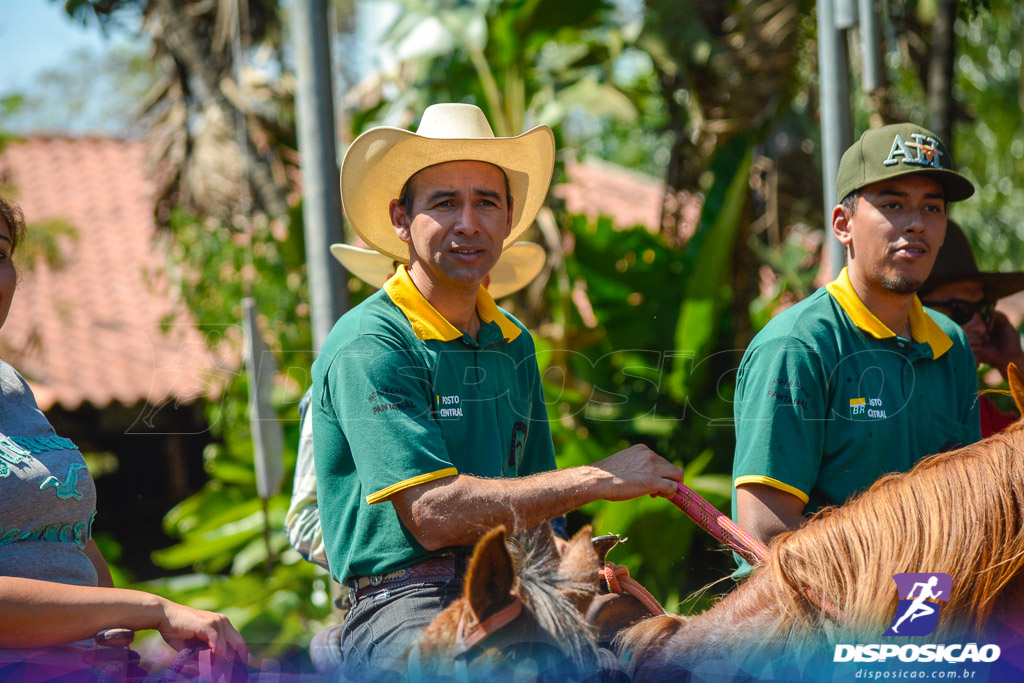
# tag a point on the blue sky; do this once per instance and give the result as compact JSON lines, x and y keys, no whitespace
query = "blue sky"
{"x":36,"y":35}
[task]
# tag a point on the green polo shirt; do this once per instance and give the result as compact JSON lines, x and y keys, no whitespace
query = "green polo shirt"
{"x":401,"y":398}
{"x":828,"y":398}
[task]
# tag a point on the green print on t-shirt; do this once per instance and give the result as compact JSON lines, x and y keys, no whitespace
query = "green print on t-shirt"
{"x":65,"y":489}
{"x":14,"y":449}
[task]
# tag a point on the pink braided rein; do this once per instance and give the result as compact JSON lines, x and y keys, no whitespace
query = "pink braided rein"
{"x":719,"y":525}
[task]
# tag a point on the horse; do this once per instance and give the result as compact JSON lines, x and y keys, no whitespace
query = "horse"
{"x":522,"y":613}
{"x":960,"y":513}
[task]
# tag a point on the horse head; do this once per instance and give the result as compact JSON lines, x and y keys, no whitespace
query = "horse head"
{"x":521,"y":611}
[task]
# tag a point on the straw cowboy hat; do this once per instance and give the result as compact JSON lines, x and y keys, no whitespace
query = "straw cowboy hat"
{"x":955,"y":263}
{"x":517,"y":267}
{"x":380,"y":161}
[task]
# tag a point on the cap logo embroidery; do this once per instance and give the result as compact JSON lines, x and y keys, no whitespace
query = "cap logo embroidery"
{"x":927,"y":149}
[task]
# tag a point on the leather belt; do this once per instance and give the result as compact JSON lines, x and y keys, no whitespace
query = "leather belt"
{"x":430,"y":569}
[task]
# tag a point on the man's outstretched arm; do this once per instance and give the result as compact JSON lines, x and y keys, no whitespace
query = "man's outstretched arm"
{"x":457,"y":510}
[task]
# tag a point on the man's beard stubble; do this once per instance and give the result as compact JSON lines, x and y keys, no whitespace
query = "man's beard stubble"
{"x":898,"y":284}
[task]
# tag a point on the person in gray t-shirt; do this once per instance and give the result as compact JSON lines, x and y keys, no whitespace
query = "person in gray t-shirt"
{"x":55,"y":586}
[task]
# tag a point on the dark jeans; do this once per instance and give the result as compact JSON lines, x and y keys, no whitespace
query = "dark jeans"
{"x":384,"y":623}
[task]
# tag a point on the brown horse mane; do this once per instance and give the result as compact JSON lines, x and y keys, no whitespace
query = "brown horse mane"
{"x":960,"y":513}
{"x":550,"y":592}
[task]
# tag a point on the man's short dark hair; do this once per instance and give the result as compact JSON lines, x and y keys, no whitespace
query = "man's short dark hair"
{"x":850,"y":202}
{"x":405,"y":198}
{"x":11,"y":215}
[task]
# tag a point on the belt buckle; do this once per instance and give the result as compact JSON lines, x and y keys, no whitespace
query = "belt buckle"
{"x":376,"y":579}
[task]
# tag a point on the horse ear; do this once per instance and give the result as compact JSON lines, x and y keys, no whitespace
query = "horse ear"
{"x":580,"y":564}
{"x":491,"y":576}
{"x":1016,"y":386}
{"x":544,"y":536}
{"x":579,"y":557}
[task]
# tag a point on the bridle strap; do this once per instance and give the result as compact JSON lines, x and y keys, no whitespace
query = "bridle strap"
{"x":619,"y":581}
{"x":503,"y":617}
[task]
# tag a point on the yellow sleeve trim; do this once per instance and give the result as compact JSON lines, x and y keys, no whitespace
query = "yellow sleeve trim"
{"x":382,"y":495}
{"x":774,"y":483}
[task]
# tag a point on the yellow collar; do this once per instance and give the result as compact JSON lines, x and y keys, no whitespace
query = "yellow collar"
{"x":427,"y":323}
{"x":922,"y":328}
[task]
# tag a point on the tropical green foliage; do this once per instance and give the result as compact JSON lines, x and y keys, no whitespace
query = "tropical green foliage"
{"x":523,"y":62}
{"x":988,"y":94}
{"x":989,"y":139}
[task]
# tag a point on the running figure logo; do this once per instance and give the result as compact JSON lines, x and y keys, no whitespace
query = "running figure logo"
{"x":918,"y":612}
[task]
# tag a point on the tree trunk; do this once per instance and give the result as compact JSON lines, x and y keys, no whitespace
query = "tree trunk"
{"x":940,"y":72}
{"x":181,"y":41}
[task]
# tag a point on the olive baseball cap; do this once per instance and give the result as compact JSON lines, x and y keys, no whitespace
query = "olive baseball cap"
{"x":895,"y":150}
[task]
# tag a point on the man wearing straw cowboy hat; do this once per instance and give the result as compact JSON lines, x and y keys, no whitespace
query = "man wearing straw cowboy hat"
{"x":428,"y":414}
{"x":517,"y":267}
{"x":858,"y":379}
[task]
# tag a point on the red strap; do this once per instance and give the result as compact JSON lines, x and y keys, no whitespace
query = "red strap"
{"x":718,"y":525}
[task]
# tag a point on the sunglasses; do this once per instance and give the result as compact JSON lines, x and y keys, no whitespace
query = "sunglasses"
{"x":961,"y":311}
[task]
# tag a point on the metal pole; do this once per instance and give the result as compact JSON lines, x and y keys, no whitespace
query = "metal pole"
{"x":321,"y":199}
{"x":872,"y":74}
{"x":940,"y":72}
{"x":836,"y":124}
{"x":844,"y":14}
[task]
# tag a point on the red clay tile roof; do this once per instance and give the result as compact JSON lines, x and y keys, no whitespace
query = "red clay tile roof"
{"x":89,"y":332}
{"x":629,"y":198}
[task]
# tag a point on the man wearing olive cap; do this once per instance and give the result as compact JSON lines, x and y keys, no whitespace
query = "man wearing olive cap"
{"x":429,"y":420}
{"x":858,"y":379}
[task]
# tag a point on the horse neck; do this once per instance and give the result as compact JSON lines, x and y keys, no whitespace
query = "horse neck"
{"x":665,"y":647}
{"x":746,"y":611}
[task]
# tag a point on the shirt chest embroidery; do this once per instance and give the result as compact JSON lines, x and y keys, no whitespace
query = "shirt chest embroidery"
{"x":870,"y":408}
{"x":449,"y":406}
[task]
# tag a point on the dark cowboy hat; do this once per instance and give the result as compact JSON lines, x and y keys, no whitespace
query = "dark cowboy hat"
{"x":955,"y":263}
